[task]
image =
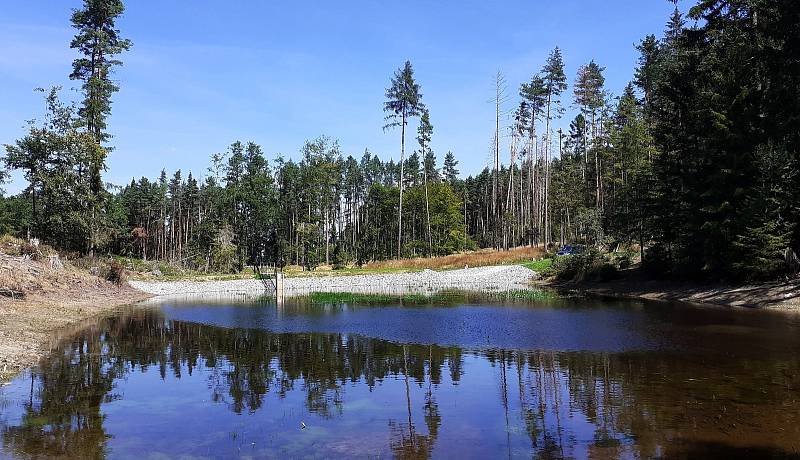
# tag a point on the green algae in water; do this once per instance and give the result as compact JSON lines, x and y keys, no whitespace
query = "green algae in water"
{"x":374,"y":299}
{"x":440,"y":298}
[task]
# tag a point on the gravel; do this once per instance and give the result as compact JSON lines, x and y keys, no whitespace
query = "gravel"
{"x":495,"y":278}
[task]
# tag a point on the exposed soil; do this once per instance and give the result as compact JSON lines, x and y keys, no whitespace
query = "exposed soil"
{"x":46,"y":300}
{"x":779,"y":295}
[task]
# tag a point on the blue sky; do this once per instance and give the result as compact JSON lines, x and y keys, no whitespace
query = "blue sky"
{"x":202,"y":74}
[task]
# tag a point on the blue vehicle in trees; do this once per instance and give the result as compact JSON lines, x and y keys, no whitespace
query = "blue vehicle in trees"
{"x":570,"y":249}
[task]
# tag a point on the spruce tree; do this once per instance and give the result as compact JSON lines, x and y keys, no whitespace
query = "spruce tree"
{"x":450,"y":168}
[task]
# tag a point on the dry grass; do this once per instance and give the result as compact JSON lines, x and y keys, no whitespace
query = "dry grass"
{"x":478,"y":258}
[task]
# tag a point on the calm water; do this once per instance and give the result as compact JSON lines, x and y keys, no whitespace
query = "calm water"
{"x":468,"y":378}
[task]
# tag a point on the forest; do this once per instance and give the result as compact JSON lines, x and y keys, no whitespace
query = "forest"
{"x":695,"y":165}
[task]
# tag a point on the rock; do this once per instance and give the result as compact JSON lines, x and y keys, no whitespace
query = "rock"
{"x":156,"y":272}
{"x":477,"y":279}
{"x":94,"y":271}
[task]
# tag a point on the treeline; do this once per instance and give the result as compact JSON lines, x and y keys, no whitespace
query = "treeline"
{"x":326,"y":209}
{"x":695,"y":165}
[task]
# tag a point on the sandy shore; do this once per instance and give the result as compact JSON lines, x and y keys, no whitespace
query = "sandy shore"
{"x":493,"y":278}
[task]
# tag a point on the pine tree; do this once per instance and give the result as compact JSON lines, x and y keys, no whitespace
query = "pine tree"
{"x":534,"y":94}
{"x":590,"y":96}
{"x":403,"y":101}
{"x":674,"y":27}
{"x":555,"y":83}
{"x":424,"y":133}
{"x":99,"y":42}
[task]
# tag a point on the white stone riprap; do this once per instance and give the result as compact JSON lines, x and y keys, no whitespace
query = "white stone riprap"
{"x":494,"y":278}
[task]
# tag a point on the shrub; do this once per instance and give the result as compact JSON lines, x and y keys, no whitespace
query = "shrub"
{"x":603,"y":271}
{"x":10,"y":244}
{"x":622,"y":260}
{"x":223,"y":258}
{"x":114,"y":272}
{"x":589,"y":265}
{"x":30,"y":250}
{"x":656,"y":261}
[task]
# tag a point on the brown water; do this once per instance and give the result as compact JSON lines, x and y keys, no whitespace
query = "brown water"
{"x":467,"y":378}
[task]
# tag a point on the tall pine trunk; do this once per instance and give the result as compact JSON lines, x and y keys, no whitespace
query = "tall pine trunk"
{"x":400,"y":215}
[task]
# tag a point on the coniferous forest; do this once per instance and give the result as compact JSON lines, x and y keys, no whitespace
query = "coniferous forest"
{"x":696,"y":164}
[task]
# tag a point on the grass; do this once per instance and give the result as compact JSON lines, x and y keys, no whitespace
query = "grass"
{"x":539,"y":266}
{"x":480,"y":258}
{"x":525,"y":294}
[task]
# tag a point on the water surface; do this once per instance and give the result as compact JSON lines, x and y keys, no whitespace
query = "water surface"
{"x":469,"y":377}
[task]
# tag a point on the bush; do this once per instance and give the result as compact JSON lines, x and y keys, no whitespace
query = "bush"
{"x":656,"y":261}
{"x":622,"y":260}
{"x":114,"y":272}
{"x":223,"y":258}
{"x":10,"y":244}
{"x":589,"y":265}
{"x":602,"y":272}
{"x":30,"y":250}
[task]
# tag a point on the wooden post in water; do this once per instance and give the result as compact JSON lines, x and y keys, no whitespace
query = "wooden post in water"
{"x":279,"y":287}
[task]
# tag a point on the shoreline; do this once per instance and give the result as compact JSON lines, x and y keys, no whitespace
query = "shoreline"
{"x":776,"y":295}
{"x":29,"y":327}
{"x":489,"y":278}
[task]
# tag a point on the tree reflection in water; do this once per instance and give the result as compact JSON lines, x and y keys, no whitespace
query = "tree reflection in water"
{"x":545,"y":404}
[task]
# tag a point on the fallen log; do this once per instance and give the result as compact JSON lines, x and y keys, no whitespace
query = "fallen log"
{"x":12,"y":293}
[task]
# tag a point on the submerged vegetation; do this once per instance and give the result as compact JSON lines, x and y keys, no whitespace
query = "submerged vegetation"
{"x":438,"y":298}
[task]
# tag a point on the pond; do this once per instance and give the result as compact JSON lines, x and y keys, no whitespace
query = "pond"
{"x":451,"y":376}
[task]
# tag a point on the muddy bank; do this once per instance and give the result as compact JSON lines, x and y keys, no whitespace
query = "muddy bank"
{"x":28,"y":327}
{"x":779,"y":295}
{"x":46,"y":300}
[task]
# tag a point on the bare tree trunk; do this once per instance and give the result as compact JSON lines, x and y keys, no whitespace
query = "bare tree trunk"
{"x":427,"y":208}
{"x":547,"y":175}
{"x":327,"y":236}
